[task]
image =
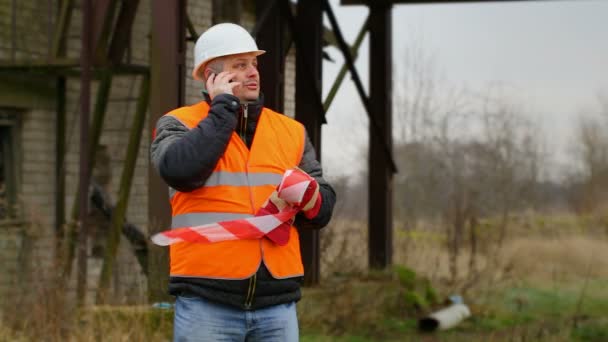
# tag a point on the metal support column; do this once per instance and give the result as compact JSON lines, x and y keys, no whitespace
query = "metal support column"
{"x":83,"y":198}
{"x":167,"y":72}
{"x":309,"y":31}
{"x":103,"y":22}
{"x":58,"y":48}
{"x":60,"y":139}
{"x":270,"y":37}
{"x":380,"y":170}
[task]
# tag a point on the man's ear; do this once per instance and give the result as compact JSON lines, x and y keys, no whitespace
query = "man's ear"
{"x":206,"y":73}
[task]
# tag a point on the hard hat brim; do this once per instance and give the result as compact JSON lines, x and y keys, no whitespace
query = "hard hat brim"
{"x":201,"y":65}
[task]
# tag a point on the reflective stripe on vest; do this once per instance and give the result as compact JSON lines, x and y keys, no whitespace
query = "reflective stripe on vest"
{"x":242,"y":180}
{"x":199,"y":219}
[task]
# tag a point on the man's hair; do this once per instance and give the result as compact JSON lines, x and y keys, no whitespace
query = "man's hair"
{"x":216,"y":65}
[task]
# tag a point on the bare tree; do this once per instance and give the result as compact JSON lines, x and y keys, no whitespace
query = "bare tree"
{"x":469,"y":161}
{"x":463,"y":157}
{"x":591,"y":150}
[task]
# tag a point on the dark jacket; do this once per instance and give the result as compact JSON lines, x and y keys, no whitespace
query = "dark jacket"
{"x":185,"y":158}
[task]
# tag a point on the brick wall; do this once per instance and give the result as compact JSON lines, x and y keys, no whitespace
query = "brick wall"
{"x":200,"y":14}
{"x":37,"y":145}
{"x":31,"y":31}
{"x":290,"y":83}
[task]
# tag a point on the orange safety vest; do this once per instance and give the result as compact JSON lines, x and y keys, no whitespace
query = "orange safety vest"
{"x":240,"y":184}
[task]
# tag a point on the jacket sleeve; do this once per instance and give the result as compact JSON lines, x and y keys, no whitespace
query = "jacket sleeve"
{"x":311,"y":165}
{"x":185,"y":157}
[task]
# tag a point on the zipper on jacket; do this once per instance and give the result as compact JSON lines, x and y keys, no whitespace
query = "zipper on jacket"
{"x":245,"y":114}
{"x":253,"y":279}
{"x":244,"y":124}
{"x":250,"y":291}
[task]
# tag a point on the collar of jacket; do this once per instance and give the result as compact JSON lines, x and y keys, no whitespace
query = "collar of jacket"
{"x":254,"y":109}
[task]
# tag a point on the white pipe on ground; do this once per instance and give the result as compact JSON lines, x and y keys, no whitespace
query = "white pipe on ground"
{"x":445,"y":318}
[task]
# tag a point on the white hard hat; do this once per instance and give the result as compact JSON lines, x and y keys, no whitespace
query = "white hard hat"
{"x":222,"y":40}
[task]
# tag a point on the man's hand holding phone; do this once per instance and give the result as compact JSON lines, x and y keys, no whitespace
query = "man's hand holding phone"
{"x":221,"y":84}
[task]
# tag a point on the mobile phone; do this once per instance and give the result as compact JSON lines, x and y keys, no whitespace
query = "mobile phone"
{"x":214,"y":74}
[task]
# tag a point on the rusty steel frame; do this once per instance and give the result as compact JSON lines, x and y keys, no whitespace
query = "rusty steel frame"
{"x":269,"y":33}
{"x":85,"y":172}
{"x":380,"y":218}
{"x":375,"y":127}
{"x":307,"y":33}
{"x":167,"y":82}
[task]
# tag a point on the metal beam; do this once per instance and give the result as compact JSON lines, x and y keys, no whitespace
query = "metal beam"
{"x":380,"y":175}
{"x":103,"y":21}
{"x":375,"y":127}
{"x":99,"y":114}
{"x":263,"y":8}
{"x":56,"y":66}
{"x":67,"y":67}
{"x":60,"y":143}
{"x":414,"y":2}
{"x":307,"y":34}
{"x":167,"y":80}
{"x":354,"y":50}
{"x":191,"y":30}
{"x":308,"y":70}
{"x":270,"y":37}
{"x":59,"y":39}
{"x":122,"y":32}
{"x":137,"y":238}
{"x":58,"y":49}
{"x":13,"y":29}
{"x":84,"y":173}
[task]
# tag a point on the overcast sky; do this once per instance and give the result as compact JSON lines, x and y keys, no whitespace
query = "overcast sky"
{"x":551,"y":55}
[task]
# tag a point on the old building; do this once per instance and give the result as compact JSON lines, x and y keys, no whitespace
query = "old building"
{"x":40,"y":148}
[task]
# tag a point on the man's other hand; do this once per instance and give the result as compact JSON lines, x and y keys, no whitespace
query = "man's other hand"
{"x":311,"y":201}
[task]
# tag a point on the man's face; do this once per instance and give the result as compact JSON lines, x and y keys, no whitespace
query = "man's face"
{"x":245,"y":66}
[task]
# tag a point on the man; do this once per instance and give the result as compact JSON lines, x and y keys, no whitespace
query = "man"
{"x":222,"y":159}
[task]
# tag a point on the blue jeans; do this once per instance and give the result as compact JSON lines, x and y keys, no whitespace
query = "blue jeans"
{"x":197,"y":319}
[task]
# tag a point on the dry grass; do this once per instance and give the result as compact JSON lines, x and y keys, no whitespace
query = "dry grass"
{"x":538,"y":249}
{"x":564,"y":258}
{"x":343,"y":248}
{"x":92,"y":324}
{"x":534,"y":259}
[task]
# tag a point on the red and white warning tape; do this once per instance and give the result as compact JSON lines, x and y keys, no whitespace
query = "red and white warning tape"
{"x":273,"y":220}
